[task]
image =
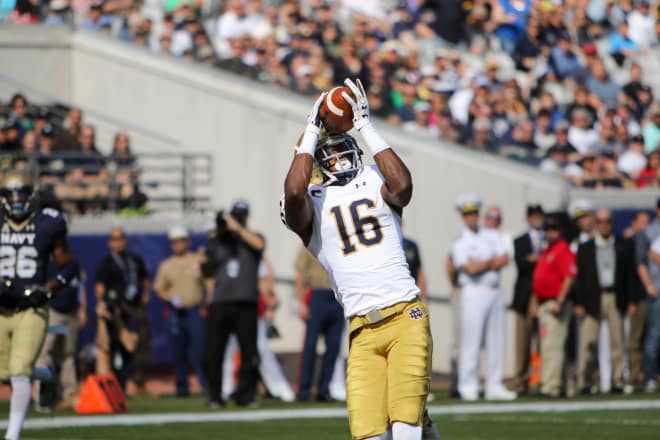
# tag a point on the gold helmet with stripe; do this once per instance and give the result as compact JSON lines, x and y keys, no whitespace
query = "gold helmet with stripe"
{"x":17,"y":195}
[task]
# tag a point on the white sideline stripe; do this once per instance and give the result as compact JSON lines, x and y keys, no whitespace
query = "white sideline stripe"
{"x":324,"y":413}
{"x":555,"y":420}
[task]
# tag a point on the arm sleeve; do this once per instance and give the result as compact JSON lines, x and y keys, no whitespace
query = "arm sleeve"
{"x":580,"y":278}
{"x":641,"y":249}
{"x":142,"y":269}
{"x":569,"y":268}
{"x":161,"y":282}
{"x":210,"y":266}
{"x":458,"y":255}
{"x":102,"y":272}
{"x":67,"y":272}
{"x":524,"y":266}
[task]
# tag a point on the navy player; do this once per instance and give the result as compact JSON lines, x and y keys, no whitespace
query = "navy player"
{"x":27,"y":238}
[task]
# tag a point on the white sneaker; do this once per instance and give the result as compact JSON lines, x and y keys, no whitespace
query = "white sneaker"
{"x":339,"y":396}
{"x":628,"y":389}
{"x":470,"y":396}
{"x":501,"y":394}
{"x":651,"y":386}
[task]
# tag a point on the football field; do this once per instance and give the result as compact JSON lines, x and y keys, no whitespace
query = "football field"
{"x":635,"y":417}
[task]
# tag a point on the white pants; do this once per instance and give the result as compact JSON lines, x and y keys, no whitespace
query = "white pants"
{"x":269,"y":367}
{"x":482,"y":310}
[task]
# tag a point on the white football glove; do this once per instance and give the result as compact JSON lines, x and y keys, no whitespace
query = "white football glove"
{"x":314,"y":119}
{"x":360,"y":105}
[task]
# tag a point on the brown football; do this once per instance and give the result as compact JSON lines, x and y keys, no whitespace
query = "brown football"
{"x":335,"y":113}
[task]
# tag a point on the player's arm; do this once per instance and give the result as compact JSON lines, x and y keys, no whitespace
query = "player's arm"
{"x":397,"y":189}
{"x":298,"y":209}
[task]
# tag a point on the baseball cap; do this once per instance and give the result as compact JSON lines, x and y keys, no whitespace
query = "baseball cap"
{"x":637,"y":138}
{"x":240,"y":207}
{"x":177,"y":232}
{"x":581,"y":207}
{"x":551,"y":222}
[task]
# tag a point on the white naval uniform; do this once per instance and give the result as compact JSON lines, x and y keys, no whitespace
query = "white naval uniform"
{"x":357,"y":239}
{"x":482,"y":310}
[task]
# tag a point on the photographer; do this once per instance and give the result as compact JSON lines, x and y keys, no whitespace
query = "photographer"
{"x":116,"y":337}
{"x":122,"y":279}
{"x":232,"y":261}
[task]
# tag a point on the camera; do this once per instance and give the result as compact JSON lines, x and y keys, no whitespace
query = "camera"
{"x":112,"y":300}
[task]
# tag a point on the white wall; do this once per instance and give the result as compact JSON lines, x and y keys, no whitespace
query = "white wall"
{"x":250,"y":129}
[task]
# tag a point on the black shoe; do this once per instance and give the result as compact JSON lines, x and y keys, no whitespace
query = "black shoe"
{"x":215,"y":404}
{"x":325,"y":398}
{"x":303,"y":398}
{"x":616,"y":390}
{"x":586,"y":391}
{"x":546,"y":396}
{"x":247,"y":404}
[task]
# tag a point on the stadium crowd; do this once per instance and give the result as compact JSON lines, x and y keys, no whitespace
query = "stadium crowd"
{"x":62,"y":152}
{"x":556,"y":84}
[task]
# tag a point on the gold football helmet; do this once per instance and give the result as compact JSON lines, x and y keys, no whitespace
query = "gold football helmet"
{"x":17,"y":195}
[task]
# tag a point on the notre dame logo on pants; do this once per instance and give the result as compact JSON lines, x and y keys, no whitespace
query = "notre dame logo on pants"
{"x":21,"y":336}
{"x":389,"y":370}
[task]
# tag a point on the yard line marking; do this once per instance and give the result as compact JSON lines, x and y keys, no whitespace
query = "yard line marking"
{"x":556,"y":420}
{"x":325,"y":413}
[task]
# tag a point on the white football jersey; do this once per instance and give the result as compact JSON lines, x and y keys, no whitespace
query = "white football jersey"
{"x":357,"y":239}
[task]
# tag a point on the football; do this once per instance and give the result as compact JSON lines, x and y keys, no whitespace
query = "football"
{"x":336,"y":114}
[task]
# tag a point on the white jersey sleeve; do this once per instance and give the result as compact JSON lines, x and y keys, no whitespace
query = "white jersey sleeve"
{"x":357,"y":238}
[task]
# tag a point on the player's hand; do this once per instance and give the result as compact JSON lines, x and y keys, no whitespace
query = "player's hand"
{"x":652,"y":292}
{"x":579,"y":311}
{"x":631,"y":310}
{"x":360,"y":105}
{"x":37,"y":295}
{"x":82,"y":316}
{"x":102,"y":310}
{"x":314,"y":119}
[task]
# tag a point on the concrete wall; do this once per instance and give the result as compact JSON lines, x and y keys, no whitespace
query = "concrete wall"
{"x":251,"y":129}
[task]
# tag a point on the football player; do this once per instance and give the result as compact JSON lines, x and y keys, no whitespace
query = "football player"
{"x":27,"y":238}
{"x":352,"y":224}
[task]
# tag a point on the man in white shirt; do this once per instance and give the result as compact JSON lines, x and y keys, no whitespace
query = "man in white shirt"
{"x":641,"y":25}
{"x":632,"y":161}
{"x":478,"y":255}
{"x":581,"y":135}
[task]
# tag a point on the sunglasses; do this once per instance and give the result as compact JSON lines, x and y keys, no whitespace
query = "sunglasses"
{"x":604,"y":220}
{"x":117,"y":237}
{"x":550,"y":227}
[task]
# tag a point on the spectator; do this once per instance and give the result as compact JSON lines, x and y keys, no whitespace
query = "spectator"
{"x":642,"y":25}
{"x":637,"y":309}
{"x":601,"y":85}
{"x":632,"y":161}
{"x":122,"y":287}
{"x":602,"y":294}
{"x":527,"y":248}
{"x":650,"y":175}
{"x":648,"y":268}
{"x":18,"y":107}
{"x":58,"y":13}
{"x":67,"y":309}
{"x":12,"y":139}
{"x":482,"y":138}
{"x":621,"y":45}
{"x":544,"y":136}
{"x":95,"y":18}
{"x":478,"y":255}
{"x":121,"y":153}
{"x":67,"y":139}
{"x":651,"y":130}
{"x":528,"y":48}
{"x":233,"y":259}
{"x":180,"y":284}
{"x":580,"y":133}
{"x":511,"y":18}
{"x":322,"y":315}
{"x":552,"y":280}
{"x":563,"y":60}
{"x":581,"y":212}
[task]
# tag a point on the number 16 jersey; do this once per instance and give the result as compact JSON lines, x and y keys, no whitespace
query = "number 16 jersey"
{"x":357,"y":239}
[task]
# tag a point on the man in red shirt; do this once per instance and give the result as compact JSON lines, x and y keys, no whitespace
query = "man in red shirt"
{"x":553,"y":277}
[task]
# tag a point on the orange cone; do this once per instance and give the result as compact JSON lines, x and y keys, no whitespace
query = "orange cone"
{"x":101,"y":394}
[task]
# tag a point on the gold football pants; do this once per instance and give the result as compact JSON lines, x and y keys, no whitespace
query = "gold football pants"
{"x":21,"y":336}
{"x":389,"y":368}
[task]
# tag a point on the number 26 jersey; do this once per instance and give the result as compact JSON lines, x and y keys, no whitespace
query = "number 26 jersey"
{"x":357,"y":238}
{"x":26,"y":248}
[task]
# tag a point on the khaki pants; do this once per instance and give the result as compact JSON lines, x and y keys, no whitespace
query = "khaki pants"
{"x":635,"y":348}
{"x":142,"y":354}
{"x":525,"y":330}
{"x":60,"y":350}
{"x":589,"y":328}
{"x":553,"y":330}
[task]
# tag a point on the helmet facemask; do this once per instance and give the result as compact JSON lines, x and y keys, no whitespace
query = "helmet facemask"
{"x":339,"y":159}
{"x":17,"y":198}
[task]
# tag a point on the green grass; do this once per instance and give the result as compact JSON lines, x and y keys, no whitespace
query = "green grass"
{"x":624,"y":424}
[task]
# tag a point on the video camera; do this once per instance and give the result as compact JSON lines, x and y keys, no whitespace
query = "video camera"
{"x":112,"y":300}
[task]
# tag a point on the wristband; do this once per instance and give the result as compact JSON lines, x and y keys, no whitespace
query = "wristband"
{"x":374,"y":141}
{"x":309,"y":140}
